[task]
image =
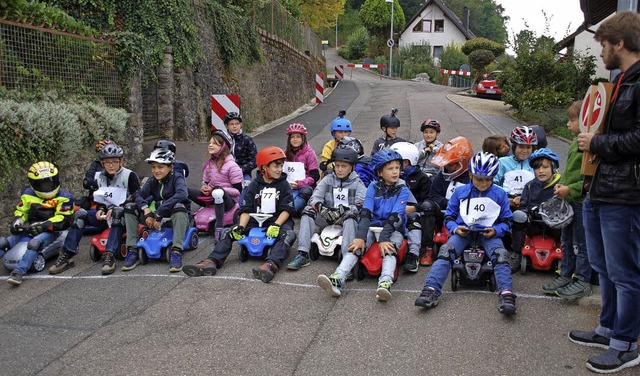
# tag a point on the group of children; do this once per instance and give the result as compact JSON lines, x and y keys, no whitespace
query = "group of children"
{"x":409,"y":190}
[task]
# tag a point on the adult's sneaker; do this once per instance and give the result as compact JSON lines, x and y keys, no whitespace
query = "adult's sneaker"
{"x":300,"y":261}
{"x":132,"y":260}
{"x":590,"y":339}
{"x":109,"y":263}
{"x":613,"y":360}
{"x":574,"y":290}
{"x":175,"y":265}
{"x":411,"y":264}
{"x":507,"y":303}
{"x":63,"y":262}
{"x":15,"y":278}
{"x":558,"y":281}
{"x":428,"y":298}
{"x":383,"y":293}
{"x":331,"y":284}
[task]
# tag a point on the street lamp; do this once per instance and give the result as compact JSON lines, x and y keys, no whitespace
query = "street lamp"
{"x":390,"y":41}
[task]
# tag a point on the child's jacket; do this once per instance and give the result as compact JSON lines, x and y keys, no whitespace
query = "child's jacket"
{"x":471,"y":208}
{"x":513,"y":174}
{"x":419,"y":184}
{"x":244,"y":151}
{"x":424,"y":159}
{"x":57,"y":210}
{"x":331,"y":186}
{"x":307,"y":156}
{"x":385,"y":143}
{"x":535,"y":193}
{"x":442,"y":190}
{"x":384,"y":207}
{"x":572,"y":176}
{"x":260,"y":197}
{"x":229,"y":175}
{"x":162,"y":195}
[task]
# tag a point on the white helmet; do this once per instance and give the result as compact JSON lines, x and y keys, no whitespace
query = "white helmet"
{"x":556,"y":212}
{"x":162,"y":156}
{"x":408,"y":151}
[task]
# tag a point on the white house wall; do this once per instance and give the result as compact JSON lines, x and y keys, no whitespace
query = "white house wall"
{"x":585,"y":44}
{"x":450,"y":33}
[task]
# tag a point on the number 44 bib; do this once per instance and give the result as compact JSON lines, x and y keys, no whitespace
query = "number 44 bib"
{"x":479,"y":211}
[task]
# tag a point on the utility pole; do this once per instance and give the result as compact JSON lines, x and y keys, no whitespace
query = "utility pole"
{"x":336,"y":33}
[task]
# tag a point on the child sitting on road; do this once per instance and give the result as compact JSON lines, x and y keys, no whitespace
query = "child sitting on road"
{"x":575,"y":270}
{"x":429,"y":146}
{"x":389,"y":125}
{"x":178,"y":166}
{"x":336,"y":200}
{"x":221,"y":179}
{"x":243,"y":148}
{"x":163,"y":196}
{"x":45,"y":208}
{"x":497,"y":145}
{"x":340,"y":127}
{"x":515,"y":170}
{"x":478,"y":205}
{"x":89,"y":182}
{"x":419,"y":184}
{"x":299,"y":150}
{"x":545,"y":164}
{"x":453,"y":160}
{"x":363,"y":167}
{"x":384,"y":206}
{"x":115,"y":184}
{"x":269,"y":193}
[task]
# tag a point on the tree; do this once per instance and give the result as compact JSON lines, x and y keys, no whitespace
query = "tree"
{"x":321,"y":13}
{"x":376,"y":18}
{"x":486,"y":18}
{"x":481,"y":52}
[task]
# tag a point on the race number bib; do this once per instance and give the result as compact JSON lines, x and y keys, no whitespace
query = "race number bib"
{"x":479,"y":211}
{"x":452,"y":188}
{"x":294,"y":170}
{"x":110,"y":196}
{"x":268,"y":201}
{"x":340,"y":197}
{"x":514,"y":181}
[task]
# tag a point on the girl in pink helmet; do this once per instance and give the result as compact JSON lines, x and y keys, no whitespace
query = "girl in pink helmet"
{"x":298,"y":150}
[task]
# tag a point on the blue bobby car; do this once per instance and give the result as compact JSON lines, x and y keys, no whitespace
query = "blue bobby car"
{"x":156,"y":244}
{"x":257,"y":243}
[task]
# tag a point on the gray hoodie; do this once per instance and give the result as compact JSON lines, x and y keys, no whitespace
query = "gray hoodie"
{"x":324,"y":191}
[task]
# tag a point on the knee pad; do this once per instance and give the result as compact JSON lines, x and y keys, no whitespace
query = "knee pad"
{"x":4,"y":244}
{"x":179,"y":208}
{"x":428,"y":207}
{"x":520,"y":216}
{"x":131,"y":208}
{"x":289,"y":238}
{"x":217,"y":195}
{"x":445,"y":252}
{"x":35,"y":245}
{"x":117,"y":217}
{"x":502,"y":256}
{"x":413,"y":222}
{"x":305,"y":193}
{"x":80,"y":219}
{"x":395,"y":221}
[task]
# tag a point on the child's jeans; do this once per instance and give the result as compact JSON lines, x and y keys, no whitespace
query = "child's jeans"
{"x":26,"y":261}
{"x":440,"y":269}
{"x":308,"y":225}
{"x":75,"y":232}
{"x":301,"y":197}
{"x":574,"y":248}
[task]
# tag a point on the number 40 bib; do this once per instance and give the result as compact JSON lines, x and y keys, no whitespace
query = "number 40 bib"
{"x":482,"y":212}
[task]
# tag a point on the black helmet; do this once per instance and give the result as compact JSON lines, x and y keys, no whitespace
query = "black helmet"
{"x":111,"y":151}
{"x":352,"y":143}
{"x":224,"y":135}
{"x":230,"y":116}
{"x":389,"y":121}
{"x":345,"y":155}
{"x":165,"y":144}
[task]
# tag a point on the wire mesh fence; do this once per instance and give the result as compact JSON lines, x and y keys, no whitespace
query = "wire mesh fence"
{"x":40,"y":59}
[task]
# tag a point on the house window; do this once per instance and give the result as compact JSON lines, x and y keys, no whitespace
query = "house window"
{"x":438,"y":26}
{"x":423,"y":26}
{"x":437,"y":51}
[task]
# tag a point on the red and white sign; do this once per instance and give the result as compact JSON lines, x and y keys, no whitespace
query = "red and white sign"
{"x":455,"y":72}
{"x":339,"y":71}
{"x":221,"y":105}
{"x":319,"y":87}
{"x":365,"y":65}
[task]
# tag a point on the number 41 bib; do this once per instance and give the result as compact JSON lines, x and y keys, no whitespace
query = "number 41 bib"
{"x":479,"y":211}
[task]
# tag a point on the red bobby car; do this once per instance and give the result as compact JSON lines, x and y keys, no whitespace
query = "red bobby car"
{"x":370,"y":264}
{"x":99,"y":244}
{"x":540,"y":252}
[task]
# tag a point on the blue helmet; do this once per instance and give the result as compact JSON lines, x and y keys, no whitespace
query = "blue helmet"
{"x":340,"y":124}
{"x":383,"y":157}
{"x":547,"y":154}
{"x":484,"y":165}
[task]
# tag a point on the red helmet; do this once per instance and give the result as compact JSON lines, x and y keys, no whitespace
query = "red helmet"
{"x":430,"y":123}
{"x":268,"y":155}
{"x":457,"y":150}
{"x":296,"y":128}
{"x":524,"y":136}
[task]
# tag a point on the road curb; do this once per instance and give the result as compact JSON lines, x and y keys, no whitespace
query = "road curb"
{"x":481,"y":121}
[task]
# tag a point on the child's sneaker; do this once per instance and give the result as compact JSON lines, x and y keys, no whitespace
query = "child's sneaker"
{"x":109,"y":263}
{"x":265,"y":272}
{"x":574,"y":290}
{"x":590,"y":339}
{"x":132,"y":260}
{"x":558,"y":281}
{"x":428,"y":298}
{"x":427,"y":258}
{"x":175,"y":265}
{"x":613,"y":360}
{"x":301,"y":260}
{"x":507,"y":303}
{"x":411,"y":264}
{"x":64,"y":262}
{"x":331,"y":284}
{"x":382,"y":293}
{"x":15,"y":278}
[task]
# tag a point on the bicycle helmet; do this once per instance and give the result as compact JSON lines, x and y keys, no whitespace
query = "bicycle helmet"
{"x":556,"y":212}
{"x":381,"y":158}
{"x":162,"y":156}
{"x":111,"y":151}
{"x":345,"y":155}
{"x":266,"y":156}
{"x":231,"y":116}
{"x":165,"y":144}
{"x":389,"y":121}
{"x":101,"y":143}
{"x":224,"y":135}
{"x":44,"y":179}
{"x":353,"y":144}
{"x":523,"y":136}
{"x":340,"y":124}
{"x":541,"y":134}
{"x":408,"y":151}
{"x":484,"y":165}
{"x":296,"y":128}
{"x":547,"y":154}
{"x":430,"y":123}
{"x":457,"y":150}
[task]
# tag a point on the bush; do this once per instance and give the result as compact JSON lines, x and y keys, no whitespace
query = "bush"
{"x":356,"y":46}
{"x":452,"y":57}
{"x":415,"y":59}
{"x":482,"y":44}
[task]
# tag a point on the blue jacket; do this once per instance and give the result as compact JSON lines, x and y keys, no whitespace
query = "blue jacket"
{"x":384,"y":207}
{"x":163,"y":194}
{"x":535,"y":193}
{"x":453,"y":219}
{"x":365,"y":171}
{"x":439,"y":187}
{"x":510,"y":163}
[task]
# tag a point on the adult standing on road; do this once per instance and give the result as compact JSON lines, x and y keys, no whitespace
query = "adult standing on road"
{"x":612,"y":207}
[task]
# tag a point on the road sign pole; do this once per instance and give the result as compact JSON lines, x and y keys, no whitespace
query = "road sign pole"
{"x":391,"y":46}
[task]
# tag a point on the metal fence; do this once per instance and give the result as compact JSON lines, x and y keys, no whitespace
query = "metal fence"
{"x":275,"y":19}
{"x":42,"y":59}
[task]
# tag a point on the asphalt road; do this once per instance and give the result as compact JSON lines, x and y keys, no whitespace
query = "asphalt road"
{"x":149,"y":322}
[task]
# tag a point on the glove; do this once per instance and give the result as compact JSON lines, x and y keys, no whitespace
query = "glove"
{"x":273,"y":231}
{"x":236,"y":232}
{"x":332,"y":215}
{"x":16,"y":226}
{"x":38,"y":228}
{"x":309,"y":211}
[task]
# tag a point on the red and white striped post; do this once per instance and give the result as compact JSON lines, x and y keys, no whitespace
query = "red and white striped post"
{"x":367,"y":66}
{"x":221,"y":104}
{"x":339,"y":71}
{"x":319,"y":87}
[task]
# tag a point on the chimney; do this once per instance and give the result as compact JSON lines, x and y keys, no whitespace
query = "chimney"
{"x":465,"y":18}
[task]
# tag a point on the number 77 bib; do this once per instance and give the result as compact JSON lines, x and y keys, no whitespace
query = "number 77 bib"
{"x":479,"y":212}
{"x":268,"y":201}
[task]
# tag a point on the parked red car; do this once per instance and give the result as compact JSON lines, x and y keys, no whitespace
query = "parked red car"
{"x":489,"y":87}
